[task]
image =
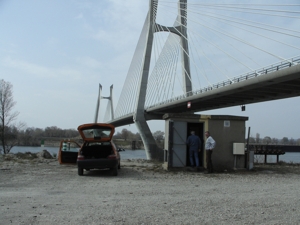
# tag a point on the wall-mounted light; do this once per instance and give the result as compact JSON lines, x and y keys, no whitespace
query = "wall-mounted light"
{"x":189,"y":105}
{"x":243,"y":107}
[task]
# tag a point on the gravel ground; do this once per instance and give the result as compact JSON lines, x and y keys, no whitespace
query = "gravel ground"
{"x":40,"y":191}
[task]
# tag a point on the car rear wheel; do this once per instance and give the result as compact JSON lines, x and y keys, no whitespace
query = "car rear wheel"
{"x":114,"y":171}
{"x":80,"y":171}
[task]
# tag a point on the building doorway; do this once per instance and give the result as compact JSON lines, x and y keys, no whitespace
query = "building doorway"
{"x":199,"y":131}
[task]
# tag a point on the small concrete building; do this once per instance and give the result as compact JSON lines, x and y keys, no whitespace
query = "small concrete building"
{"x":229,"y":132}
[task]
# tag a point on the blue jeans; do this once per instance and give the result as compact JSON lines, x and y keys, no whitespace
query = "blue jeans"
{"x":194,"y":154}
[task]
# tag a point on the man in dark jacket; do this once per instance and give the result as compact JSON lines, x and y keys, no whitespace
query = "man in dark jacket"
{"x":194,"y":144}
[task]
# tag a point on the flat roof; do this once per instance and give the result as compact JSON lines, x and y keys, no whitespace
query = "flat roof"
{"x":202,"y":116}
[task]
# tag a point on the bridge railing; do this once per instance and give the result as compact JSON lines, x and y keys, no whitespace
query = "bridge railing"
{"x":266,"y":70}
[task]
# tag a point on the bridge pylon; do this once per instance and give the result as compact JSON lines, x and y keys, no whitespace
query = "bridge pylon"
{"x":151,"y":148}
{"x":110,"y":98}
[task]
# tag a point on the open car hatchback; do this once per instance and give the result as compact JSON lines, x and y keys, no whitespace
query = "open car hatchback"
{"x":97,"y":151}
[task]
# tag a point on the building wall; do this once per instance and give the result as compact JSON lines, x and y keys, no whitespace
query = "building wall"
{"x":224,"y":136}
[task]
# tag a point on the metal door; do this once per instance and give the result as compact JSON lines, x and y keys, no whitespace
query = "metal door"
{"x":179,"y":144}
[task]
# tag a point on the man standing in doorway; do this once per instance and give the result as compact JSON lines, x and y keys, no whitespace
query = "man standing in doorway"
{"x":209,"y":146}
{"x":194,"y":144}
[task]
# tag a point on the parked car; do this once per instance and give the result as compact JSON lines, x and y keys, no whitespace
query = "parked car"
{"x":97,"y":151}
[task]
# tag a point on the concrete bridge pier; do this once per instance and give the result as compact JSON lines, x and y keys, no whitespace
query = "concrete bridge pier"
{"x":151,"y":148}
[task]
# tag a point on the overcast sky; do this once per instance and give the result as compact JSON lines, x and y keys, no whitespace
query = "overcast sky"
{"x":55,"y":53}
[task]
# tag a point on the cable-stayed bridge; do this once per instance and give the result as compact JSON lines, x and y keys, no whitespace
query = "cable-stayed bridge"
{"x":211,"y":55}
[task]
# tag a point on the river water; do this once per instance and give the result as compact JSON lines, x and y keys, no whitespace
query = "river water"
{"x":127,"y":154}
{"x":289,"y":157}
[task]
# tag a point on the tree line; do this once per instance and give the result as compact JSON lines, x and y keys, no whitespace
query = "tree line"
{"x":125,"y":134}
{"x":34,"y":136}
{"x":273,"y":141}
{"x":13,"y":134}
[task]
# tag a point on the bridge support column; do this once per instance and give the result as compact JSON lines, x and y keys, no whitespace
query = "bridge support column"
{"x":151,"y":148}
{"x":186,"y":73}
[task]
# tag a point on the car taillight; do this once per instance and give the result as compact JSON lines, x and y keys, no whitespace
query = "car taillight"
{"x":80,"y":157}
{"x":112,"y":157}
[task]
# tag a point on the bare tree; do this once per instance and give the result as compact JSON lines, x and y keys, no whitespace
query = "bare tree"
{"x":137,"y":136}
{"x":118,"y":135}
{"x":284,"y":140}
{"x":8,"y":130}
{"x":267,"y":140}
{"x":125,"y":134}
{"x":275,"y":141}
{"x":292,"y":141}
{"x":159,"y":135}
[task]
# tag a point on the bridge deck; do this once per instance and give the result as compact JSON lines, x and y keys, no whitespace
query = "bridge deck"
{"x":272,"y":83}
{"x":280,"y":84}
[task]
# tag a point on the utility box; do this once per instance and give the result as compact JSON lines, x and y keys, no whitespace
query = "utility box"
{"x":226,"y":130}
{"x":239,"y":148}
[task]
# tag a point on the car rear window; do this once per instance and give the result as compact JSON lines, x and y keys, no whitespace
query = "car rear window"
{"x":99,"y":143}
{"x":96,"y":133}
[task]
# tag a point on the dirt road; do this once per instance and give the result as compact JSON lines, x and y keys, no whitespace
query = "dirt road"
{"x":44,"y":192}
